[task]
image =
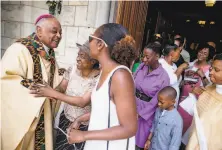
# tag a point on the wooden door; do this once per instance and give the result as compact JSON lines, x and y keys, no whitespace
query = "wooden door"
{"x":132,"y":15}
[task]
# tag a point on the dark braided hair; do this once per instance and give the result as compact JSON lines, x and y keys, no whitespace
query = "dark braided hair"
{"x":156,"y":47}
{"x":168,"y":48}
{"x":122,"y":46}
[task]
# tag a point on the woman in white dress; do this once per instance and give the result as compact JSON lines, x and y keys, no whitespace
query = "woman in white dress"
{"x":171,"y":54}
{"x":113,"y":120}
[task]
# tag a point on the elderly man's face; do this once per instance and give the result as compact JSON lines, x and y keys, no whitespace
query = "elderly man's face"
{"x":50,"y":33}
{"x":216,"y":72}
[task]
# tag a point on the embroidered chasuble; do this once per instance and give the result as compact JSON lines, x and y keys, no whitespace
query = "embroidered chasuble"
{"x":209,"y":107}
{"x":27,"y":121}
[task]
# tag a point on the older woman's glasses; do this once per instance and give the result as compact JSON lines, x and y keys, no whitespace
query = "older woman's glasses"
{"x":91,"y":37}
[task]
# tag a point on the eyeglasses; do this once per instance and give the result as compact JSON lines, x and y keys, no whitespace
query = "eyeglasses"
{"x":91,"y":37}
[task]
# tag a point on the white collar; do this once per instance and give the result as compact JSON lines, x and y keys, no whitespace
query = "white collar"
{"x":163,"y":112}
{"x":219,"y":89}
{"x":164,"y":62}
{"x":46,"y":48}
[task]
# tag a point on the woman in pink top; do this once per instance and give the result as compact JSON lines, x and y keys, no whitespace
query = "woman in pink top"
{"x":195,"y":76}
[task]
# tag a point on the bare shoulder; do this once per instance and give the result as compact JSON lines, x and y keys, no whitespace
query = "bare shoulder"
{"x":122,"y":75}
{"x":122,"y":82}
{"x":122,"y":86}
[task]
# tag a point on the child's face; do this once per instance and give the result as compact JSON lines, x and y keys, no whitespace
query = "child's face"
{"x":165,"y":102}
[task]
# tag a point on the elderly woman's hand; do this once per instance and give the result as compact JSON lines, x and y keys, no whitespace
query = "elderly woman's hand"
{"x":42,"y":90}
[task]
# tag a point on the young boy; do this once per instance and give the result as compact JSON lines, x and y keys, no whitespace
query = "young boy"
{"x":166,"y":131}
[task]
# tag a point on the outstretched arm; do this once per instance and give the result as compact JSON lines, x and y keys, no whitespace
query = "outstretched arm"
{"x":122,"y":91}
{"x":62,"y":86}
{"x":47,"y":91}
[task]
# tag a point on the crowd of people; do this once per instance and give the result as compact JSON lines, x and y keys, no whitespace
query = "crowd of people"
{"x":113,"y":98}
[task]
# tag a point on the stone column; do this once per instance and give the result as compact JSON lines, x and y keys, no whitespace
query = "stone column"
{"x":103,"y":12}
{"x":113,"y":11}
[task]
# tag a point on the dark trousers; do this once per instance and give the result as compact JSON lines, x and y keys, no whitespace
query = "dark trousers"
{"x":139,"y":148}
{"x":182,"y":147}
{"x":61,"y":139}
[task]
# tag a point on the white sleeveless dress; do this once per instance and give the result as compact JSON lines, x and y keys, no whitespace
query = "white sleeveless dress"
{"x":99,"y":118}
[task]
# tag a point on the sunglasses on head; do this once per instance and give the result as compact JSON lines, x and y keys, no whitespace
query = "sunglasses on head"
{"x":91,"y":37}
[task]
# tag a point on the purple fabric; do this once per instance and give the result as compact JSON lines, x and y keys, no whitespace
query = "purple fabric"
{"x":43,"y":16}
{"x":150,"y":84}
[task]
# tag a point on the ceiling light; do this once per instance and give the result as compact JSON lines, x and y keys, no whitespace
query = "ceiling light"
{"x":158,"y":35}
{"x":187,"y":20}
{"x":201,"y":22}
{"x":210,"y":3}
{"x":212,"y":22}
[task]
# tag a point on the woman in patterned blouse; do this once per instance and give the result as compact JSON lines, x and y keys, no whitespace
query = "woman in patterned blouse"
{"x":77,"y":83}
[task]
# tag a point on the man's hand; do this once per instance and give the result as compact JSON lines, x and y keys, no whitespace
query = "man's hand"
{"x":42,"y":90}
{"x":147,"y":145}
{"x":198,"y":90}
